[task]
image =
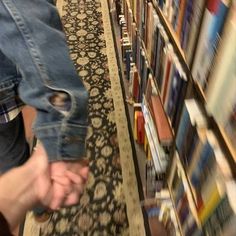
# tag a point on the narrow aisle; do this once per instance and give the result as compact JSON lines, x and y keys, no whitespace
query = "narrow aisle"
{"x":103,"y":206}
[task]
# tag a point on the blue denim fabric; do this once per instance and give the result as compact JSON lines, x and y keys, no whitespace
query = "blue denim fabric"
{"x":31,"y":37}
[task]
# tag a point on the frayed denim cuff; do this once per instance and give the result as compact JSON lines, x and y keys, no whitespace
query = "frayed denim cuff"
{"x":63,"y":143}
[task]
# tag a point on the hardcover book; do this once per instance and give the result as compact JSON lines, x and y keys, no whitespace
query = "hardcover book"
{"x":162,"y":125}
{"x":213,"y":21}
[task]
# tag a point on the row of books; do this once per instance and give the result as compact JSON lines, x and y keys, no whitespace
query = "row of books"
{"x":161,"y":61}
{"x":201,"y":180}
{"x":190,"y":19}
{"x":213,"y":32}
{"x":208,"y":174}
{"x":143,"y":90}
{"x":221,"y":89}
{"x":213,"y":64}
{"x":214,"y":21}
{"x":219,"y":216}
{"x":160,"y":210}
{"x":182,"y":199}
{"x":152,"y":123}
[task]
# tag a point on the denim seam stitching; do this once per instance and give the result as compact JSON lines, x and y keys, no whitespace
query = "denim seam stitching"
{"x":28,"y":39}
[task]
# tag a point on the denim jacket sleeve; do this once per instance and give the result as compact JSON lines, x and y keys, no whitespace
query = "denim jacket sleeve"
{"x":34,"y":41}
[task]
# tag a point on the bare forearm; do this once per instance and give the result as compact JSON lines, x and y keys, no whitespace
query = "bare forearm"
{"x":15,"y":196}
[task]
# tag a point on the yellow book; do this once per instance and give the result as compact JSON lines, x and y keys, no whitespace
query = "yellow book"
{"x":149,"y":155}
{"x":216,"y":195}
{"x":145,"y":143}
{"x":135,"y":125}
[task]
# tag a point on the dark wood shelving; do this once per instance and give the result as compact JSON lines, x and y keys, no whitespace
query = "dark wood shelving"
{"x":198,"y":93}
{"x":193,"y":91}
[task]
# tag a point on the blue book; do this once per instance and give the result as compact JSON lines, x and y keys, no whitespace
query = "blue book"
{"x":161,"y":3}
{"x":179,"y":103}
{"x":176,"y":98}
{"x":174,"y":91}
{"x":184,"y":122}
{"x":205,"y":160}
{"x":128,"y":60}
{"x":186,"y":26}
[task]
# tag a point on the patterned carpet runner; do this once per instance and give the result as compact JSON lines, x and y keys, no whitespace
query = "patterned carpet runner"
{"x":110,"y":203}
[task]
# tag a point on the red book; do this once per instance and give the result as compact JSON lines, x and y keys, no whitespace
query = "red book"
{"x":212,"y":5}
{"x":140,"y":128}
{"x":162,"y":125}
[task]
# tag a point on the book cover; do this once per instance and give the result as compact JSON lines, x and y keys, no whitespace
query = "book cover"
{"x":169,"y":86}
{"x":205,"y":160}
{"x":162,"y":125}
{"x":200,"y":142}
{"x":187,"y":23}
{"x":214,"y":18}
{"x":175,"y":88}
{"x":148,"y":91}
{"x":178,"y":92}
{"x":140,"y":128}
{"x":134,"y":42}
{"x":158,"y":155}
{"x":166,"y":75}
{"x":198,"y":10}
{"x":160,"y":56}
{"x":179,"y":23}
{"x":191,"y":116}
{"x":150,"y":179}
{"x":208,"y":177}
{"x":135,"y":135}
{"x":156,"y":22}
{"x":220,"y":221}
{"x":176,"y":11}
{"x":222,"y":79}
{"x":144,"y":78}
{"x":150,"y":30}
{"x":135,"y":85}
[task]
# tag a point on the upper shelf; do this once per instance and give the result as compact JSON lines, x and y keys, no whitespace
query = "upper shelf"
{"x":171,"y":30}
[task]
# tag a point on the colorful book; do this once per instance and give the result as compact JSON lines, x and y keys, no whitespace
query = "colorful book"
{"x":187,"y":24}
{"x":198,"y":11}
{"x":191,"y":116}
{"x":162,"y":125}
{"x":220,"y":220}
{"x":213,"y":22}
{"x":222,"y":79}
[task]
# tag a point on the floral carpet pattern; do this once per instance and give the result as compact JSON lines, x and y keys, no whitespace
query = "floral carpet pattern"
{"x":103,"y":206}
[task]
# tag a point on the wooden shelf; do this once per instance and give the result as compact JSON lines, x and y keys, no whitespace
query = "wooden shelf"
{"x":176,"y":214}
{"x":224,"y":141}
{"x":170,"y":30}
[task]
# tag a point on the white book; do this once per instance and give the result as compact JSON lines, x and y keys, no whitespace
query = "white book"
{"x":221,"y":90}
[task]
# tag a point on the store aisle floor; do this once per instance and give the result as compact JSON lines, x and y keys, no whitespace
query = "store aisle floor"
{"x":110,"y":203}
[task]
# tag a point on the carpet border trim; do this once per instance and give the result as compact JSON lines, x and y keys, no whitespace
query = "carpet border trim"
{"x":130,"y":186}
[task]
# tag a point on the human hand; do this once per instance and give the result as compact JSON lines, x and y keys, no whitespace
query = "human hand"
{"x":23,"y":187}
{"x":53,"y":185}
{"x":69,"y":178}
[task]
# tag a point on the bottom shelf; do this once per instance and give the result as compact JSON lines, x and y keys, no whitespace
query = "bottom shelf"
{"x":161,"y":215}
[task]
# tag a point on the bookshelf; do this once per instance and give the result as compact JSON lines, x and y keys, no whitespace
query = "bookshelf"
{"x":170,"y":30}
{"x":160,"y":65}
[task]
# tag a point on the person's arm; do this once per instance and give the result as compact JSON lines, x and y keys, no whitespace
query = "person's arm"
{"x":34,"y":41}
{"x":23,"y":187}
